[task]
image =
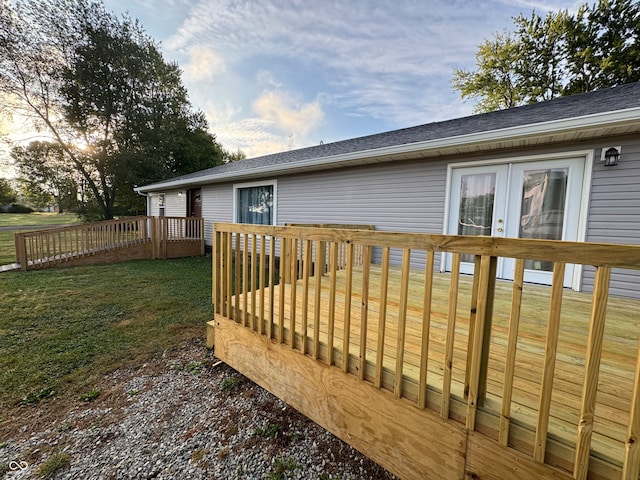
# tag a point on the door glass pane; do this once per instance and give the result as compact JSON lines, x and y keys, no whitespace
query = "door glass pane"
{"x":543,"y":200}
{"x":475,"y":216}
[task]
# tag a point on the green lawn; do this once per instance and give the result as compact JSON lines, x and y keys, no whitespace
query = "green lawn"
{"x":7,"y":247}
{"x":7,"y":242}
{"x":62,"y":329}
{"x":36,"y":218}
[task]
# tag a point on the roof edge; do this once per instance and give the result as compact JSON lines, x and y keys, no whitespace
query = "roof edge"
{"x":477,"y":138}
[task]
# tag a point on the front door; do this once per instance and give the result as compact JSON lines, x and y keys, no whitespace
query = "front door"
{"x":540,"y":199}
{"x":194,"y":203}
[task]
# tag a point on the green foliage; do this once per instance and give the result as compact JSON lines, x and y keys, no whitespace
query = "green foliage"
{"x":90,"y":396}
{"x":53,"y":465}
{"x":270,"y":430}
{"x":560,"y":54}
{"x":117,"y":112}
{"x":7,"y":192}
{"x":229,"y":384}
{"x":36,"y":397}
{"x":280,"y":468}
{"x":46,"y":175}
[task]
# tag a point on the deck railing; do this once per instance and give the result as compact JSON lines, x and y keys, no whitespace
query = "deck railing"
{"x":53,"y":246}
{"x":254,"y":265}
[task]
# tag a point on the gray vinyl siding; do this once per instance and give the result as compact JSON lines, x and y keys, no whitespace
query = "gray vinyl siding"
{"x":175,"y":204}
{"x":407,"y":197}
{"x":614,"y":213}
{"x":217,"y":206}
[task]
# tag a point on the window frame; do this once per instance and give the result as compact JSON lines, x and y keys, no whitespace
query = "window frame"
{"x":262,"y":183}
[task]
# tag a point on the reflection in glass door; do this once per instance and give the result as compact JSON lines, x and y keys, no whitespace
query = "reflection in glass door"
{"x":475,"y":215}
{"x":542,"y":210}
{"x":532,"y":200}
{"x":478,"y":197}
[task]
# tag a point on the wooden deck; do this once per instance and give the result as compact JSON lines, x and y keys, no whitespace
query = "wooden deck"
{"x":110,"y":241}
{"x":415,"y":334}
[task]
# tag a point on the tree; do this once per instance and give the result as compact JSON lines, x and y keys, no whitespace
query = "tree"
{"x":495,"y":82}
{"x":558,"y":55}
{"x":7,"y":193}
{"x":99,"y":87}
{"x":46,"y":175}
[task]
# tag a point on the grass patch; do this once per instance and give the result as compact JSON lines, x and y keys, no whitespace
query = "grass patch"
{"x":229,"y":384}
{"x":280,"y":468}
{"x":270,"y":430}
{"x":7,"y":247}
{"x":90,"y":396}
{"x":64,"y":328}
{"x":7,"y":241}
{"x":36,"y":218}
{"x":53,"y":465}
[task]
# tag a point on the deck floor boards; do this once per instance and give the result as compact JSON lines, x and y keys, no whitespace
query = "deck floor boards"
{"x":617,"y":366}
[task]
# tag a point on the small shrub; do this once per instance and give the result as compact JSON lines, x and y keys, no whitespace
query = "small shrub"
{"x":53,"y":465}
{"x":90,"y":396}
{"x":269,"y":431}
{"x":36,"y":397}
{"x":229,"y":384}
{"x":280,"y":468}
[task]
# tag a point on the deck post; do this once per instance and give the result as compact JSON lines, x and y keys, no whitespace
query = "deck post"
{"x":21,"y":250}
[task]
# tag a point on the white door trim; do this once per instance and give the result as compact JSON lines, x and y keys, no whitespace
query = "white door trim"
{"x":588,"y":156}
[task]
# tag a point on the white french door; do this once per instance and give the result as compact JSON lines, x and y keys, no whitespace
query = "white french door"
{"x":532,"y":199}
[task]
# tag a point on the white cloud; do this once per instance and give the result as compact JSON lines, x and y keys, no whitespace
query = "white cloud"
{"x":388,"y":63}
{"x":281,"y":111}
{"x":204,"y":64}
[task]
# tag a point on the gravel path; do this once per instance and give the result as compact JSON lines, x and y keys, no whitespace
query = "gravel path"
{"x":181,"y":415}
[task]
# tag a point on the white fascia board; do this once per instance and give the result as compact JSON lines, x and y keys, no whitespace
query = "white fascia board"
{"x":606,"y":119}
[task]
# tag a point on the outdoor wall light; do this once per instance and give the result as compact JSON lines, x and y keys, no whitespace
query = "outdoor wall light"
{"x":610,"y":156}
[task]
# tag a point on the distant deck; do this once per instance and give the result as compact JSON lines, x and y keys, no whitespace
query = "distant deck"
{"x":110,"y":241}
{"x":534,"y":370}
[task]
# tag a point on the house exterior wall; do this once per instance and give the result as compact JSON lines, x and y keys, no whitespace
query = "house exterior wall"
{"x":614,"y":213}
{"x":175,"y":204}
{"x":217,"y":206}
{"x":410,"y":196}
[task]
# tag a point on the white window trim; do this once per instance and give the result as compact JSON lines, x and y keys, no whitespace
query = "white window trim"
{"x":265,"y":183}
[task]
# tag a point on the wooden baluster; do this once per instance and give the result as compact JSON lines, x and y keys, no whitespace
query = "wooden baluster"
{"x":284,"y":242}
{"x":402,"y":322}
{"x":551,"y":347}
{"x":364,"y":310}
{"x":451,"y":332}
{"x":382,"y":317}
{"x":510,"y":356}
{"x":347,"y":308}
{"x":476,"y":349}
{"x":254,"y":279}
{"x":237,"y":280}
{"x":245,"y":279}
{"x":591,"y":371}
{"x":262,"y":278}
{"x":306,"y":273}
{"x":216,"y":287}
{"x":631,"y":465}
{"x":426,"y":324}
{"x":272,"y":284}
{"x":293,"y":255}
{"x":333,"y":267}
{"x":318,"y":272}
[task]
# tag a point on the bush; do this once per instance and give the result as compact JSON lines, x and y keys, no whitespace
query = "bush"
{"x":15,"y":208}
